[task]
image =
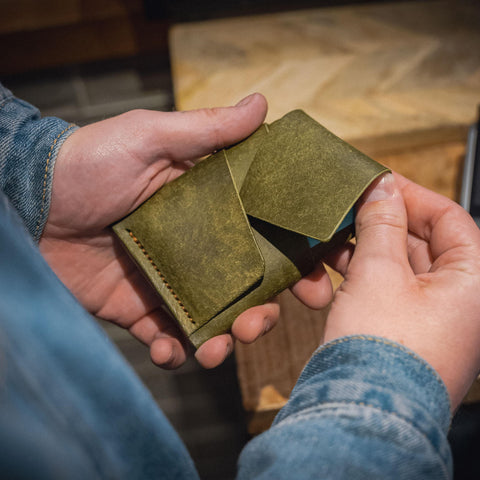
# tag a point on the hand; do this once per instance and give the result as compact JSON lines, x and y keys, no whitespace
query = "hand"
{"x":103,"y":172}
{"x":413,"y":277}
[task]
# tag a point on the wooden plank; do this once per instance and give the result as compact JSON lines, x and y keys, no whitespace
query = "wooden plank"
{"x":365,"y":72}
{"x":473,"y":395}
{"x":437,"y":167}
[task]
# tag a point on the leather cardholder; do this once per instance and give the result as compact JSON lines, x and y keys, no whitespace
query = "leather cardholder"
{"x":238,"y":228}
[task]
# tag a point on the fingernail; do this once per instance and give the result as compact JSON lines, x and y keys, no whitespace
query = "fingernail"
{"x":383,"y":190}
{"x":245,"y":101}
{"x":171,"y":356}
{"x":267,"y":325}
{"x":229,"y":348}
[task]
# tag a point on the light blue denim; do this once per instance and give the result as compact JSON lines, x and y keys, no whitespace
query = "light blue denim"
{"x":70,"y":405}
{"x":72,"y":408}
{"x":29,"y":146}
{"x":363,"y":408}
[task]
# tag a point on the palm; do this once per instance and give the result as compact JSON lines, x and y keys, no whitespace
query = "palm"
{"x":103,"y":172}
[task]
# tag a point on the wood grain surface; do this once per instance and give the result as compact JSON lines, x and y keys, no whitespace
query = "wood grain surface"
{"x":362,"y":71}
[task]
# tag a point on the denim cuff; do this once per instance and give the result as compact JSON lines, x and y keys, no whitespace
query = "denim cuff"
{"x":375,"y":373}
{"x":29,"y":147}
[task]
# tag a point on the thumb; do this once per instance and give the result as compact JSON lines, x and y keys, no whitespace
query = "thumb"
{"x":381,"y":222}
{"x":195,"y":133}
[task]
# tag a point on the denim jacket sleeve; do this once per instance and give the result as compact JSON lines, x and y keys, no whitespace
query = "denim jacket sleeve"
{"x":363,"y":408}
{"x":29,"y":145}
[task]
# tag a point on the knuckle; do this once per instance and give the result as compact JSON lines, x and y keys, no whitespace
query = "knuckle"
{"x":375,"y":218}
{"x":215,"y":125}
{"x":135,"y":113}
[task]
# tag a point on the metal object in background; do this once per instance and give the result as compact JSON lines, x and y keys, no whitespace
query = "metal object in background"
{"x":470,"y":193}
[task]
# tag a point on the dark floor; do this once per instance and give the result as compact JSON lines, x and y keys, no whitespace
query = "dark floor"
{"x":464,"y":439}
{"x":204,"y":406}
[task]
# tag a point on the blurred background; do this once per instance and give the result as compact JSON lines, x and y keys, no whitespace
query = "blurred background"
{"x":400,"y":80}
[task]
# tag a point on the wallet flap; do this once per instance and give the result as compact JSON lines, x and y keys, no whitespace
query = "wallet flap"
{"x":304,"y":178}
{"x":193,"y":225}
{"x":241,"y":155}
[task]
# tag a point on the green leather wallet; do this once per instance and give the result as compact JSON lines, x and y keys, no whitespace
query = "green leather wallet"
{"x":238,"y":228}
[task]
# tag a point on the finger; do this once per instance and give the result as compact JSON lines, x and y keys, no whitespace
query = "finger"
{"x":255,"y":322}
{"x":381,"y":225}
{"x":315,"y":289}
{"x":168,"y":348}
{"x":149,"y":327}
{"x":167,"y":352}
{"x":439,"y":221}
{"x":419,"y":254}
{"x":214,"y":351}
{"x":195,"y":133}
{"x":339,"y":258}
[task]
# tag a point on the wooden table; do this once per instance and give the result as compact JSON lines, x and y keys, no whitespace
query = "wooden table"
{"x":399,"y":81}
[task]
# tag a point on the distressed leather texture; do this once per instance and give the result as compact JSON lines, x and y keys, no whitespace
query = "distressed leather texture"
{"x":232,"y":232}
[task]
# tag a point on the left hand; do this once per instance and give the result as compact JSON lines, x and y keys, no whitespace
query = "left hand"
{"x":413,"y":277}
{"x":107,"y":169}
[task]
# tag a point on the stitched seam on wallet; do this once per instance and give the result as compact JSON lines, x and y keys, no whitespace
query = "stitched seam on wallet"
{"x":160,"y":274}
